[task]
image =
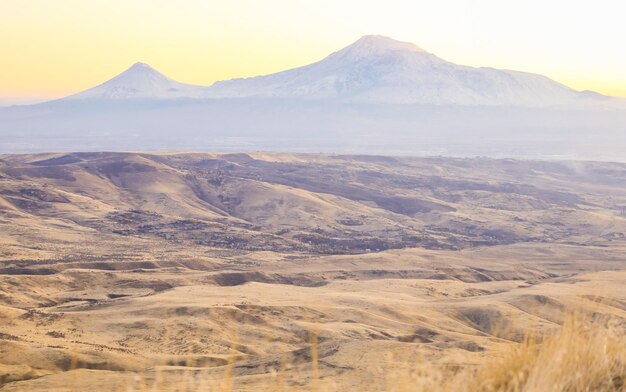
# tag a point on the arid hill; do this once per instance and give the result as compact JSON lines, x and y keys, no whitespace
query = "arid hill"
{"x":188,"y":271}
{"x":309,"y":203}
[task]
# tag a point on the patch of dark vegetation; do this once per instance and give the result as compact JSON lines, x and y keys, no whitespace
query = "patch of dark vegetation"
{"x":472,"y":235}
{"x":41,"y":318}
{"x":133,"y":216}
{"x":491,"y":322}
{"x":7,"y":336}
{"x":326,"y":244}
{"x":420,"y":335}
{"x":42,"y":195}
{"x":350,"y":222}
{"x":80,"y":299}
{"x":239,"y":278}
{"x":114,"y":265}
{"x":25,"y":204}
{"x":27,"y":271}
{"x":116,"y":296}
{"x":117,"y":168}
{"x":66,"y":364}
{"x":193,"y":361}
{"x":470,"y":346}
{"x":50,"y":172}
{"x":62,"y":160}
{"x":408,"y":205}
{"x":154,"y":285}
{"x":239,"y":158}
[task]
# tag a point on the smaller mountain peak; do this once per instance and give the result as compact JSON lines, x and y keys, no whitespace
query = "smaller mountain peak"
{"x":140,"y":81}
{"x":140,"y":72}
{"x":139,"y":66}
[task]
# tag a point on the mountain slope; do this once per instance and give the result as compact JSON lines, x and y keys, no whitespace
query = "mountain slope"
{"x":140,"y":81}
{"x":380,"y":69}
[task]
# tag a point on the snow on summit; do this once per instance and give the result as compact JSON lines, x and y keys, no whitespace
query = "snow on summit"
{"x":377,"y":45}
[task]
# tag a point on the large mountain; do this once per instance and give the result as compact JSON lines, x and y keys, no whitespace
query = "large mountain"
{"x":380,"y":69}
{"x":374,"y":96}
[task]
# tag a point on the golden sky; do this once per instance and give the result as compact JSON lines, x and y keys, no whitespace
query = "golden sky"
{"x":51,"y":48}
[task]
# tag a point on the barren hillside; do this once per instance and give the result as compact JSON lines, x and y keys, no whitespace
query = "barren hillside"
{"x":257,"y":271}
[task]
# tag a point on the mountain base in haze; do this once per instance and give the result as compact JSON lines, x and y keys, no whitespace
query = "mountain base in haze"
{"x":284,"y":125}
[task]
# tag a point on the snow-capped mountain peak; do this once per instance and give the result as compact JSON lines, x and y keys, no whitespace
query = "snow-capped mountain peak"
{"x":375,"y":46}
{"x":140,"y":76}
{"x":141,"y":66}
{"x":378,"y":69}
{"x":140,"y":81}
{"x":140,"y":69}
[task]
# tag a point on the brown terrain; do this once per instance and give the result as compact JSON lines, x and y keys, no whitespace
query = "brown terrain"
{"x":198,"y":271}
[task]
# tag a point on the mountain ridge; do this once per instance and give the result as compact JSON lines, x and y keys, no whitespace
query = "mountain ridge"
{"x":373,"y":69}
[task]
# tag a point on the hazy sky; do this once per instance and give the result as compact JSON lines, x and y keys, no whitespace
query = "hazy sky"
{"x":51,"y":48}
